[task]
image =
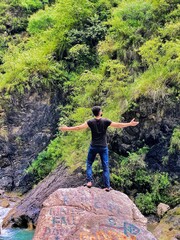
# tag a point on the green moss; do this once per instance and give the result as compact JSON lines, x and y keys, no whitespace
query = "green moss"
{"x":177,"y":211}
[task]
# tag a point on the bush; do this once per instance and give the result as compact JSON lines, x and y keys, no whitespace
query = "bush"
{"x":126,"y":171}
{"x":132,"y":173}
{"x":145,"y":203}
{"x":79,"y":57}
{"x":159,"y":192}
{"x":28,"y":4}
{"x":40,"y":22}
{"x":47,"y":160}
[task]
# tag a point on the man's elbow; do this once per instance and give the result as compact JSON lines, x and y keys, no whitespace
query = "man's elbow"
{"x":79,"y":128}
{"x":115,"y":125}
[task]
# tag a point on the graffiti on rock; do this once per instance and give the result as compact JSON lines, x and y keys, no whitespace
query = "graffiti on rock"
{"x":105,"y":235}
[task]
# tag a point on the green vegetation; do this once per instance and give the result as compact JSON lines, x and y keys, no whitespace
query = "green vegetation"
{"x":175,"y":141}
{"x":159,"y":187}
{"x":132,"y":173}
{"x":104,"y":52}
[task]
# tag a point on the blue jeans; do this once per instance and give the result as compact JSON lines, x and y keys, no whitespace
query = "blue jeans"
{"x":103,"y":152}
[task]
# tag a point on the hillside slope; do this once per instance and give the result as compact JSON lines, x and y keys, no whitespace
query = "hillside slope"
{"x":122,"y":55}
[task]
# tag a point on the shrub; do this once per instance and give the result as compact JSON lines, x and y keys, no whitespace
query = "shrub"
{"x":28,"y":4}
{"x":145,"y":203}
{"x":40,"y":22}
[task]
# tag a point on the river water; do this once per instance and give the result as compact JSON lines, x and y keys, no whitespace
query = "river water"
{"x":16,"y":234}
{"x":13,"y":233}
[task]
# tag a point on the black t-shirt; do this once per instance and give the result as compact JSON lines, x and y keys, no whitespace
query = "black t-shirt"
{"x":98,"y":131}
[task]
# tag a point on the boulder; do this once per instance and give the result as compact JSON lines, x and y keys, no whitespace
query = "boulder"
{"x":169,"y":226}
{"x":162,"y":208}
{"x":26,"y":211}
{"x":84,"y":214}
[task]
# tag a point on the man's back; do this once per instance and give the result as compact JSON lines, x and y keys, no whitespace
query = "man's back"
{"x":98,"y":130}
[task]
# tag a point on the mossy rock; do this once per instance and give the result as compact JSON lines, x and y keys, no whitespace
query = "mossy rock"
{"x":169,"y":225}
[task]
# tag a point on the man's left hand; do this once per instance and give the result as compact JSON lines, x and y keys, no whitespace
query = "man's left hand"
{"x":133,"y":123}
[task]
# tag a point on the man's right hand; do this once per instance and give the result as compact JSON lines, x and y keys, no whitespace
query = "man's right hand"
{"x":75,"y":128}
{"x":63,"y":128}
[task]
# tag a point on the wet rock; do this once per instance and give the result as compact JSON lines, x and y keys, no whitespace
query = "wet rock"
{"x":82,"y":213}
{"x":162,"y":209}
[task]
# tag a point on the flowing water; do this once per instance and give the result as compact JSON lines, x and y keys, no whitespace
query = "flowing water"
{"x":13,"y":233}
{"x":3,"y":213}
{"x":16,"y":234}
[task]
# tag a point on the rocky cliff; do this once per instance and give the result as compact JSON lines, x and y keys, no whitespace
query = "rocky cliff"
{"x":157,"y":120}
{"x":28,"y":123}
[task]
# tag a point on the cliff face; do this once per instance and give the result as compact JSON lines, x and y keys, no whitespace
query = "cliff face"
{"x":28,"y":123}
{"x":157,"y":120}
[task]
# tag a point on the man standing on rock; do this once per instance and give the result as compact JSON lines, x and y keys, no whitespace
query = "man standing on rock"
{"x":98,"y":127}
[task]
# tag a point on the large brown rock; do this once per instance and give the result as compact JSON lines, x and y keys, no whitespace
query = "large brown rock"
{"x":84,"y":214}
{"x":26,"y":211}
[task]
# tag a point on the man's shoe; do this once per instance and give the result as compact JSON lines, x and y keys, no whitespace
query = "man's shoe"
{"x":108,"y":189}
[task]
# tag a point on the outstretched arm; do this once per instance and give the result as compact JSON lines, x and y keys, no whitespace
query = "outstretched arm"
{"x":132,"y":123}
{"x":75,"y":128}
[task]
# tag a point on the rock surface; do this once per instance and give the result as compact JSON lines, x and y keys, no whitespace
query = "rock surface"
{"x":162,"y":208}
{"x":27,"y":123}
{"x":5,"y":203}
{"x":169,"y":226}
{"x":84,"y":214}
{"x":157,"y":119}
{"x":26,"y":212}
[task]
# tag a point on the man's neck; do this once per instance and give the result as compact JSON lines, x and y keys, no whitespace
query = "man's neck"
{"x":98,"y":117}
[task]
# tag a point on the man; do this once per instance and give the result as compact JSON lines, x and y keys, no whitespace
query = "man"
{"x":98,"y":126}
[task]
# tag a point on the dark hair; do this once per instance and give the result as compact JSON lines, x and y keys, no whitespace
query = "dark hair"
{"x":96,"y":110}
